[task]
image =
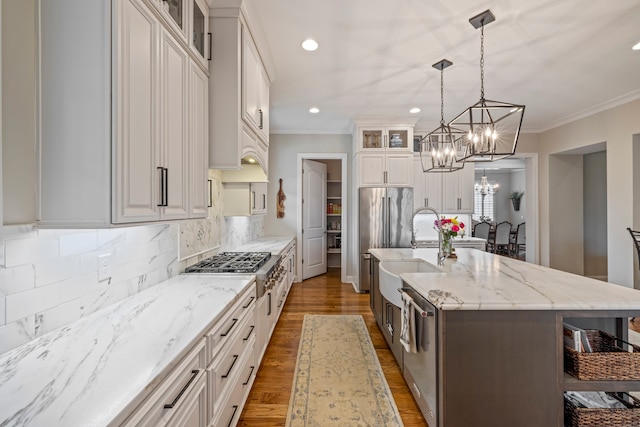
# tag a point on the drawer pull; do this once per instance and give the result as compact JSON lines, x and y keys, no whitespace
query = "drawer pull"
{"x":233,"y":415}
{"x":249,"y":377}
{"x":249,"y":303}
{"x":194,"y":373}
{"x":230,"y":328}
{"x":249,"y":334}
{"x":235,"y":359}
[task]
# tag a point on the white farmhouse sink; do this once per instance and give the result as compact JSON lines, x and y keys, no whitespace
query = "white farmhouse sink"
{"x":390,"y":272}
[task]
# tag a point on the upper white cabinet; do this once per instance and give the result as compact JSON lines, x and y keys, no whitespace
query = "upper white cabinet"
{"x":457,"y":190}
{"x":449,"y":192}
{"x":255,"y":89}
{"x":118,"y":132}
{"x":381,"y":169}
{"x":239,"y":93}
{"x":200,"y":41}
{"x":391,"y":138}
{"x":427,"y":187}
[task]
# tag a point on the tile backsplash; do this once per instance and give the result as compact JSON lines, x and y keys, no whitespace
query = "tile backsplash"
{"x":49,"y":278}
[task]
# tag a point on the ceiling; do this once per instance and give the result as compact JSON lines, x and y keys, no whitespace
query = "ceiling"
{"x":562,"y":59}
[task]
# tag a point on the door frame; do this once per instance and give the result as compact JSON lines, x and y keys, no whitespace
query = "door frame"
{"x":345,"y":207}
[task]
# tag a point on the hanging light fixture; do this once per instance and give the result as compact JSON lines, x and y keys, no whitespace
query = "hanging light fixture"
{"x":492,"y":127}
{"x":441,"y":148}
{"x":485,"y":188}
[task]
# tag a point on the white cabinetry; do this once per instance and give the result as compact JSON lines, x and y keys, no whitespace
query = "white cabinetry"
{"x":255,"y":88}
{"x":393,"y":138}
{"x":199,"y":143}
{"x":239,"y":93}
{"x":231,"y":355}
{"x":457,"y":190}
{"x":380,"y":169}
{"x":449,"y":192}
{"x":180,"y":399}
{"x":114,"y":139}
{"x":245,"y":198}
{"x":427,"y":187}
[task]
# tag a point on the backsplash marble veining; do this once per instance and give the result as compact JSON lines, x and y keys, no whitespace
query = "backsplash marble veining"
{"x":49,"y":278}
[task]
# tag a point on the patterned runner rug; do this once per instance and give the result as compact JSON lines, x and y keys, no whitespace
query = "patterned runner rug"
{"x":338,"y":379}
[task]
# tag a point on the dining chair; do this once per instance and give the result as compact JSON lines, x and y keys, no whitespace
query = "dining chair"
{"x":481,"y":230}
{"x":518,"y":245}
{"x":635,"y":235}
{"x":502,"y":236}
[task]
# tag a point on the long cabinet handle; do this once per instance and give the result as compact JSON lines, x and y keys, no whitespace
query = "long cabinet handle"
{"x":209,"y":35}
{"x":261,"y":118}
{"x":249,"y":377}
{"x":235,"y":359}
{"x":194,"y":373}
{"x":230,"y":328}
{"x":166,"y":186}
{"x":249,"y":303}
{"x":161,"y":201}
{"x":253,"y":200}
{"x":210,"y":204}
{"x":264,"y":201}
{"x":233,"y":415}
{"x":249,"y":334}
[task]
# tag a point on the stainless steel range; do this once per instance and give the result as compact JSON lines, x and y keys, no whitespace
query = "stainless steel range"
{"x":264,"y":265}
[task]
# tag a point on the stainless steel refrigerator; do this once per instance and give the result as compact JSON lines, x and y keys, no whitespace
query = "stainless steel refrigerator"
{"x":384,"y":217}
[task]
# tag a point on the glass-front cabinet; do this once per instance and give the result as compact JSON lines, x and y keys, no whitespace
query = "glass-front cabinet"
{"x":174,"y":11}
{"x":396,"y":138}
{"x":200,"y":36}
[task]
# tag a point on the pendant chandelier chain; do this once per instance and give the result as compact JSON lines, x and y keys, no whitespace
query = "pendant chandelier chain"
{"x":442,"y":96}
{"x":482,"y":61}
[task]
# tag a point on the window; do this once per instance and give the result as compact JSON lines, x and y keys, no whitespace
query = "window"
{"x":483,"y":204}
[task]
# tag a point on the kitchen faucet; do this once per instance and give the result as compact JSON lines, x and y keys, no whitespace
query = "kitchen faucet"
{"x":414,"y":244}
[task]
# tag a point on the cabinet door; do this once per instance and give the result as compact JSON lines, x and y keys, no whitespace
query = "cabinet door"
{"x":175,"y":107}
{"x":175,"y":12}
{"x":398,"y":139}
{"x":258,"y":198}
{"x":433,"y":190}
{"x":251,"y":75}
{"x":419,"y":184}
{"x":137,"y":123}
{"x":399,"y":169}
{"x":371,"y":169}
{"x":371,"y":139}
{"x":457,"y":190}
{"x":198,"y":144}
{"x":263,"y":105}
{"x":192,"y":412}
{"x":200,"y":41}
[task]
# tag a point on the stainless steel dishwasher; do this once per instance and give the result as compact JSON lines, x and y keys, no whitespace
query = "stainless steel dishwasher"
{"x":420,"y":369}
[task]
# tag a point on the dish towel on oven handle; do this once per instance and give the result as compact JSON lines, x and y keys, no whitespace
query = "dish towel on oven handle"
{"x":408,"y":329}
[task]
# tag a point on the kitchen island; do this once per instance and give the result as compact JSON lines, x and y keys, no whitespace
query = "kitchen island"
{"x":496,"y":355}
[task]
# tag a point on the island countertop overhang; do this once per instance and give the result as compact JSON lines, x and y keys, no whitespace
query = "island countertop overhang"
{"x":479,"y":280}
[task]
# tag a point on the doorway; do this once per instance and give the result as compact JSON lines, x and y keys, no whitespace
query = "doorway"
{"x":335,"y":208}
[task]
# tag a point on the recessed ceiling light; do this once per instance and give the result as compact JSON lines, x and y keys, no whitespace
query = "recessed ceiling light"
{"x":309,"y":44}
{"x":314,"y":110}
{"x":636,"y":47}
{"x":414,"y":110}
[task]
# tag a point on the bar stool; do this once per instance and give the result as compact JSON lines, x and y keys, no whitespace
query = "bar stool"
{"x":635,"y":235}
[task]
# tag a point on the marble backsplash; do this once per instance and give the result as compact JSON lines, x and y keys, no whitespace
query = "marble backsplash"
{"x":49,"y":278}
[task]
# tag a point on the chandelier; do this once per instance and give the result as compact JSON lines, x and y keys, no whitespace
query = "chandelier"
{"x":485,"y":188}
{"x":492,"y":127}
{"x":441,"y":148}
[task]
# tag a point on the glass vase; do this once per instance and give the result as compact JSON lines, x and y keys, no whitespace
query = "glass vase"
{"x":447,"y":245}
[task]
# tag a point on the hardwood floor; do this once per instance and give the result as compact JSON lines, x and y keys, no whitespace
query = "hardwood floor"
{"x":268,"y":400}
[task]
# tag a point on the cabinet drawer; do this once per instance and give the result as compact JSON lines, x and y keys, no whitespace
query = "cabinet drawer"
{"x":226,"y":329}
{"x":169,"y":398}
{"x":226,"y":366}
{"x":229,"y":407}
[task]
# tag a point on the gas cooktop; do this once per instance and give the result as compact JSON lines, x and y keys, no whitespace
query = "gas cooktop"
{"x":231,"y":262}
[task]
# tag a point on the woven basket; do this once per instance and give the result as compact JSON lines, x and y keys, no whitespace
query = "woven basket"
{"x":607,"y":362}
{"x":589,"y":417}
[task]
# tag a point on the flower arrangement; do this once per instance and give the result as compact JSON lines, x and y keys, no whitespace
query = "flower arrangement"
{"x":450,"y":227}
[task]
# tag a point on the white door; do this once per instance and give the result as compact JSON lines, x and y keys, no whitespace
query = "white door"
{"x":314,"y":220}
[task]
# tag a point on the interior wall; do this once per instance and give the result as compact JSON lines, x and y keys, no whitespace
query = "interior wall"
{"x":617,"y":126}
{"x":19,"y":113}
{"x":595,"y":214}
{"x":283,"y":153}
{"x":518,"y":183}
{"x":566,"y":201}
{"x":636,"y":207}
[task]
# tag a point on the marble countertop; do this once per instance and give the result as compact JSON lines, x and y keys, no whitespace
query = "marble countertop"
{"x":273,"y":244}
{"x":89,"y":372}
{"x":479,"y":280}
{"x":458,"y":240}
